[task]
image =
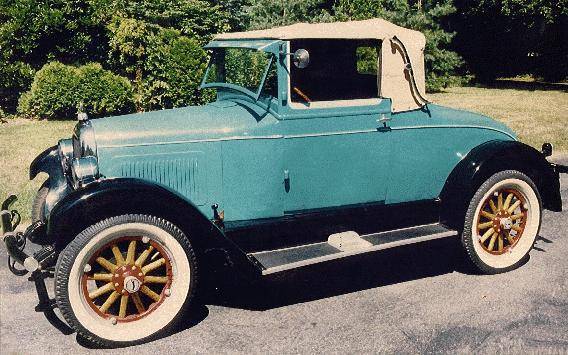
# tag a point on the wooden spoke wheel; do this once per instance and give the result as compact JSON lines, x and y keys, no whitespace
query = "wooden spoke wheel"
{"x":502,"y":222}
{"x":125,"y":280}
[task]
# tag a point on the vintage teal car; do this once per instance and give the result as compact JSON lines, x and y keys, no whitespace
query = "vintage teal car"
{"x":321,"y":145}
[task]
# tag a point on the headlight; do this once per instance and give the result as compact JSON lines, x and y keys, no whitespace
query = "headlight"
{"x":84,"y":143}
{"x":66,"y":154}
{"x":85,"y":170}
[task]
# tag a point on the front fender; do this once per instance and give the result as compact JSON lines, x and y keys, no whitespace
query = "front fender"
{"x":485,"y":160}
{"x":49,"y":162}
{"x":118,"y":196}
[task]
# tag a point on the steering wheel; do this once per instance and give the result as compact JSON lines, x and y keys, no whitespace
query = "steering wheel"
{"x":302,"y":95}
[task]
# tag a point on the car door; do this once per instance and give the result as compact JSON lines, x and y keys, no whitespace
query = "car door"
{"x":336,"y":157}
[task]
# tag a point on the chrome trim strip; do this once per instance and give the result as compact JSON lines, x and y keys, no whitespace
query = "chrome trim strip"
{"x":193,"y":141}
{"x":306,"y":135}
{"x":276,"y":136}
{"x":291,"y":136}
{"x":452,"y":126}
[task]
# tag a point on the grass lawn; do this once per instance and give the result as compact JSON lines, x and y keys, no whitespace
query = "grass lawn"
{"x":536,"y":116}
{"x":20,"y":142}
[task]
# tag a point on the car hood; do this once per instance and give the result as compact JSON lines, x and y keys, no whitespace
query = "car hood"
{"x":217,"y":120}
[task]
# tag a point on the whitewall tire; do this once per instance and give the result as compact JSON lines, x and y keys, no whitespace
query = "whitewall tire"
{"x":502,"y":222}
{"x":126,"y":280}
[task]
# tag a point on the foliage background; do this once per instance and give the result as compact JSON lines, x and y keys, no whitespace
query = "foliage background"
{"x":148,"y":52}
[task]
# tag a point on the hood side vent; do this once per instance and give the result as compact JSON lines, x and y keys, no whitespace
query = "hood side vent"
{"x":180,"y":172}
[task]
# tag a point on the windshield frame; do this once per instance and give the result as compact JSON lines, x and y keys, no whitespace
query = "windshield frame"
{"x":254,"y":95}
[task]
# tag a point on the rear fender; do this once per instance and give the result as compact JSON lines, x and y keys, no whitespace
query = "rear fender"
{"x":487,"y":159}
{"x":114,"y":197}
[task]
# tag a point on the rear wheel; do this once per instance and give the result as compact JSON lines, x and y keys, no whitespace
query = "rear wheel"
{"x":502,"y":222}
{"x":126,"y":280}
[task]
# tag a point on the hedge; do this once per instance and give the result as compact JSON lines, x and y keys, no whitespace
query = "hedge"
{"x":58,"y":90}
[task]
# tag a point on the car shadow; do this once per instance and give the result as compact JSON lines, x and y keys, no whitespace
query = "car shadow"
{"x":330,"y":279}
{"x":367,"y":271}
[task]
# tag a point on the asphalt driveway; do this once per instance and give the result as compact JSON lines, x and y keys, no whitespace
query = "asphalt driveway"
{"x":419,"y":298}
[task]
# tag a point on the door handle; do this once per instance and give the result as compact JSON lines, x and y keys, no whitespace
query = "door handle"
{"x":383,"y":121}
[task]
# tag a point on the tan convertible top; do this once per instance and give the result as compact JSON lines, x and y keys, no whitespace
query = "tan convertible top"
{"x":394,"y":80}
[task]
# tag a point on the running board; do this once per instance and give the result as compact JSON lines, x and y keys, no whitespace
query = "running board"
{"x":346,"y":244}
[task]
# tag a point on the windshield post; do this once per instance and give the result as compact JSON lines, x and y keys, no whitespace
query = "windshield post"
{"x":240,"y":69}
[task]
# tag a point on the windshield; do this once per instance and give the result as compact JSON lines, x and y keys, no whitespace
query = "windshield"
{"x":241,"y":69}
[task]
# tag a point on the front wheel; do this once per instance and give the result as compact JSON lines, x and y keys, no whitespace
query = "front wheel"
{"x":125,"y":280}
{"x":502,"y":222}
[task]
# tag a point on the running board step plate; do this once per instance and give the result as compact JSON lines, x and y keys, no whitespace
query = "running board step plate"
{"x":346,"y":244}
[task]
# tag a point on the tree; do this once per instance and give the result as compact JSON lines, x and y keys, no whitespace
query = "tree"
{"x":165,"y":66}
{"x":442,"y":64}
{"x":271,"y":13}
{"x":33,"y":32}
{"x":507,"y":38}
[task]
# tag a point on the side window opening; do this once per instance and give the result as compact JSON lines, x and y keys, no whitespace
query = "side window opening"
{"x":338,"y":70}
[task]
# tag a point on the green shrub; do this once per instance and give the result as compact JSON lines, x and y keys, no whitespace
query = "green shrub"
{"x":164,"y":66}
{"x":14,"y":78}
{"x":102,"y":92}
{"x":58,"y":89}
{"x":175,"y":67}
{"x":53,"y":93}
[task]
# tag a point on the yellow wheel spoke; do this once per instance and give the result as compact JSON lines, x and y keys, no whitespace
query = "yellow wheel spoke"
{"x":142,"y":258}
{"x":516,"y":216}
{"x":101,"y":290}
{"x":156,"y":279}
{"x":154,"y":265}
{"x":514,"y":206}
{"x":486,"y":235}
{"x":123,"y":305}
{"x":109,"y":301}
{"x":492,"y":205}
{"x":117,"y":256}
{"x":500,"y":243}
{"x":131,"y":251}
{"x":516,"y":228}
{"x":487,"y":214}
{"x":485,"y":225}
{"x":507,"y":201}
{"x":138,"y":303}
{"x":106,"y":264}
{"x":148,"y":292}
{"x":492,"y":241}
{"x":101,"y":277}
{"x":500,"y":201}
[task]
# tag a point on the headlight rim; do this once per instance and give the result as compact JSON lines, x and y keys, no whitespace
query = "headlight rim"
{"x":65,"y":150}
{"x":84,"y":170}
{"x":84,"y":141}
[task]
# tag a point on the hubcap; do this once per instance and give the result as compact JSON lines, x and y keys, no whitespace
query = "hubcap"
{"x":132,"y":284}
{"x":126,"y":286}
{"x":502,"y":220}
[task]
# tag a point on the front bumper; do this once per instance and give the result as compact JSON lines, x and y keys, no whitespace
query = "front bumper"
{"x":15,"y":242}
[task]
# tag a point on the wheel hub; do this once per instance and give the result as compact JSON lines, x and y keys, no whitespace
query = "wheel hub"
{"x":501,"y":221}
{"x":128,"y":279}
{"x":132,"y":284}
